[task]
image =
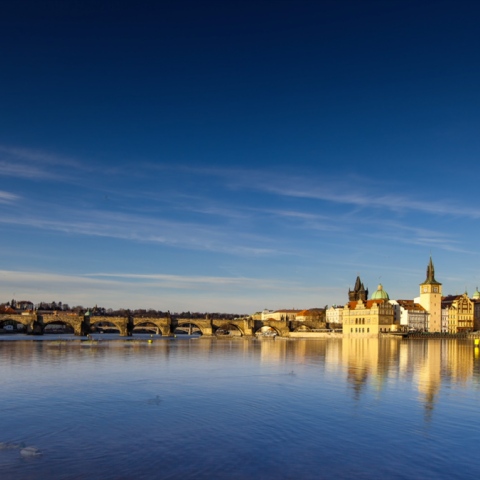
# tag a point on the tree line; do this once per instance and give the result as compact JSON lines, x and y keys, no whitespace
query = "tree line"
{"x":122,"y":312}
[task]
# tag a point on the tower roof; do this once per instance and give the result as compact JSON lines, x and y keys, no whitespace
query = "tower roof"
{"x":430,"y":280}
{"x":359,"y":292}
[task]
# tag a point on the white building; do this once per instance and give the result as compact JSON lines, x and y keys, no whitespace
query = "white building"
{"x":334,"y":314}
{"x":410,"y":315}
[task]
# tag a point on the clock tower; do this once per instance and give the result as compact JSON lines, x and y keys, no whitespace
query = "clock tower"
{"x":431,"y":299}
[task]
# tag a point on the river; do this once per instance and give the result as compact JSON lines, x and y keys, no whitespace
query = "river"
{"x":199,"y":408}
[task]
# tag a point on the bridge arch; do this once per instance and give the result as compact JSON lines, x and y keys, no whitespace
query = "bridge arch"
{"x":103,"y":324}
{"x":302,"y":328}
{"x":191,"y":325}
{"x":29,"y":322}
{"x":122,"y":324}
{"x":23,"y":319}
{"x":229,"y":329}
{"x":278,"y":328}
{"x":75,"y":322}
{"x":5,"y":320}
{"x":50,"y":326}
{"x":148,"y":326}
{"x":157,"y":325}
{"x":267,"y":331}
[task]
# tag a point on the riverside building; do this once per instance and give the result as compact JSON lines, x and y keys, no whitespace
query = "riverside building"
{"x":369,"y":317}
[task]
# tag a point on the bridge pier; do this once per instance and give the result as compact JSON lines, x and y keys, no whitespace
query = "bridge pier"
{"x":84,"y":327}
{"x":248,"y":328}
{"x":35,"y":327}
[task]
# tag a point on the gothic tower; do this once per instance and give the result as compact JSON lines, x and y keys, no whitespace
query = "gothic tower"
{"x":431,"y":299}
{"x":358,"y":293}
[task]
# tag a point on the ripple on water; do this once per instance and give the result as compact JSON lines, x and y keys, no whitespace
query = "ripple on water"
{"x":207,"y":409}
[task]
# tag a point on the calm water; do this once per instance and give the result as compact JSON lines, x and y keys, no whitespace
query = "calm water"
{"x":237,"y":409}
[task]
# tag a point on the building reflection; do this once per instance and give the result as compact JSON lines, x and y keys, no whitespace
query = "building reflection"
{"x":425,"y":363}
{"x":368,"y":365}
{"x":428,"y":377}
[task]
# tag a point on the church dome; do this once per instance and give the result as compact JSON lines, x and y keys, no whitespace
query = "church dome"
{"x":380,"y":294}
{"x":476,"y":295}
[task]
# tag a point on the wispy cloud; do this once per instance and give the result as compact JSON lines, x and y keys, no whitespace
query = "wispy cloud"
{"x":15,"y":169}
{"x":34,"y":164}
{"x":146,"y":229}
{"x":189,"y":281}
{"x":37,"y":156}
{"x":356,"y":198}
{"x":7,"y":197}
{"x":166,"y":292}
{"x":392,"y":232}
{"x":337,"y":190}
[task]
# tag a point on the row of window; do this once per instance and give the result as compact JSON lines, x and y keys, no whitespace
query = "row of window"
{"x":358,"y":321}
{"x":362,"y":330}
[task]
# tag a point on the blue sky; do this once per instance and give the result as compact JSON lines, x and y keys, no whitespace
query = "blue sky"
{"x":234,"y":156}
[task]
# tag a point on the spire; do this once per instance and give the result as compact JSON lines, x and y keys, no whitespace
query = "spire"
{"x":359,"y":292}
{"x":431,"y":274}
{"x":430,"y":271}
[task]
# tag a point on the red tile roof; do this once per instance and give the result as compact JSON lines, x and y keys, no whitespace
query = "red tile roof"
{"x":5,"y":309}
{"x":368,"y":303}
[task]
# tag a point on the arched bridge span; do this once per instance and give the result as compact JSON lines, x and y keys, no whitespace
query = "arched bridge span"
{"x":85,"y":324}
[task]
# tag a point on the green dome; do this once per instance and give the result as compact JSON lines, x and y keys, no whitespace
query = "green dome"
{"x":476,"y":295}
{"x":380,"y":294}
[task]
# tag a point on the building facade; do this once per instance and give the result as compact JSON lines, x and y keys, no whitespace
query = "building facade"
{"x":410,"y":316}
{"x":460,"y":313}
{"x":334,"y":315}
{"x":368,"y":318}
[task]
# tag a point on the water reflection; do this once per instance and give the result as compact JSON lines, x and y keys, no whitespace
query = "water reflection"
{"x":366,"y":362}
{"x":237,"y":408}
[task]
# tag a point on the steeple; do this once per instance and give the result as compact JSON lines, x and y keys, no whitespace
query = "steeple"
{"x":430,"y":280}
{"x":359,"y":292}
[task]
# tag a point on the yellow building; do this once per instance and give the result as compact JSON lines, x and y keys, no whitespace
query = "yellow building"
{"x":369,"y":317}
{"x":431,"y":299}
{"x":460,"y":310}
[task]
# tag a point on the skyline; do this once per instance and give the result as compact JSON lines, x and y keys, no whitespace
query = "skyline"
{"x":236,"y":156}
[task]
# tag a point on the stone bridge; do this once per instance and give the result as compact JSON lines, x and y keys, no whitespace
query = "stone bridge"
{"x":30,"y":322}
{"x":84,"y":324}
